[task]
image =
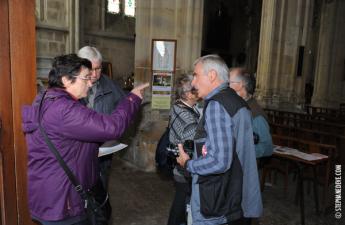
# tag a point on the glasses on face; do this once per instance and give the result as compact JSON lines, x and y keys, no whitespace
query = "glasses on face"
{"x":87,"y":77}
{"x":96,"y":69}
{"x":193,"y":90}
{"x":234,"y":82}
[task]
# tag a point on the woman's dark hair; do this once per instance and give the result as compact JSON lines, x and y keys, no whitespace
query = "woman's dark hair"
{"x":66,"y":65}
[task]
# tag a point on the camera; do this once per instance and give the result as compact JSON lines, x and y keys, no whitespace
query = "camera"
{"x":188,"y":147}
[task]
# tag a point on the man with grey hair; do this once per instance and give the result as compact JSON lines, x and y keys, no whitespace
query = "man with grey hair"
{"x":225,"y":186}
{"x":103,"y":97}
{"x":243,"y":83}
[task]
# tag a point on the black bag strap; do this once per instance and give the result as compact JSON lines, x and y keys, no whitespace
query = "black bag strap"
{"x":62,"y":163}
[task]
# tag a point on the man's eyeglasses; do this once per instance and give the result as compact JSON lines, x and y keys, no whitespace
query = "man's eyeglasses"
{"x":234,"y":82}
{"x":96,"y":69}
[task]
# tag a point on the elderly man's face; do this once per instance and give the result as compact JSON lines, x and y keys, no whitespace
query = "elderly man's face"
{"x":96,"y":70}
{"x":201,"y":81}
{"x":234,"y":82}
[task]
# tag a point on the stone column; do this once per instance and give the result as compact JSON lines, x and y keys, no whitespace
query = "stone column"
{"x":161,"y":19}
{"x":330,"y":64}
{"x":74,"y":28}
{"x":283,"y":29}
{"x":265,"y":51}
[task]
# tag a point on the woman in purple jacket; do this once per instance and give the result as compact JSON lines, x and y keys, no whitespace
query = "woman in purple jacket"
{"x":76,"y":132}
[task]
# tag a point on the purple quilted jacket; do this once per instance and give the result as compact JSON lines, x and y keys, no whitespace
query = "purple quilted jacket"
{"x":76,"y":132}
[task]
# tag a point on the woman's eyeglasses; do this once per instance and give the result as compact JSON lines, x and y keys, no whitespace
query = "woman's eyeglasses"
{"x":87,"y":77}
{"x":192,"y":90}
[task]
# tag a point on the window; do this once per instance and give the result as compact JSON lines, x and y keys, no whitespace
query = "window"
{"x":130,"y":8}
{"x":115,"y":7}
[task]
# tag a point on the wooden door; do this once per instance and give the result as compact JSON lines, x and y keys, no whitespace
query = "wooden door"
{"x":17,"y":87}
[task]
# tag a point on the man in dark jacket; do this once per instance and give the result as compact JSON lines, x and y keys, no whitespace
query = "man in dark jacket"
{"x":103,"y":97}
{"x":243,"y":83}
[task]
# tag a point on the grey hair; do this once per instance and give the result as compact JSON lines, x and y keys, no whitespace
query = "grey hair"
{"x":214,"y":62}
{"x":248,"y":79}
{"x":90,"y":53}
{"x":183,"y":85}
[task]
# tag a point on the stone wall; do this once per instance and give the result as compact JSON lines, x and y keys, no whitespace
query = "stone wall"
{"x":56,"y":22}
{"x":160,"y":19}
{"x":113,"y":35}
{"x":318,"y":26}
{"x":283,"y":30}
{"x":65,"y":26}
{"x":330,"y":62}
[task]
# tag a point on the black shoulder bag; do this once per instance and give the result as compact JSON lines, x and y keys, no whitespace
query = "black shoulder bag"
{"x":96,"y":199}
{"x":164,"y":161}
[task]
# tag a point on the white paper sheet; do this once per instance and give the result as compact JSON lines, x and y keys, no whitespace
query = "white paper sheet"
{"x":294,"y":152}
{"x":110,"y":147}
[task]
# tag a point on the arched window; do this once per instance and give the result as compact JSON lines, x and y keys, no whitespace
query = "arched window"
{"x":115,"y":7}
{"x":130,"y":8}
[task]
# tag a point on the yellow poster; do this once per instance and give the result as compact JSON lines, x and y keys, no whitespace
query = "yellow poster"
{"x":161,"y":90}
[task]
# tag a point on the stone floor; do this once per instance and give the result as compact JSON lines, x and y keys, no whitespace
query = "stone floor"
{"x":142,"y":198}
